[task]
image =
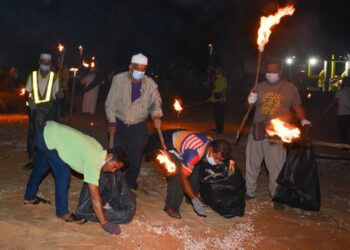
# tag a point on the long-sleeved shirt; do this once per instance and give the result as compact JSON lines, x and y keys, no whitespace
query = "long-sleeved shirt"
{"x":119,"y":104}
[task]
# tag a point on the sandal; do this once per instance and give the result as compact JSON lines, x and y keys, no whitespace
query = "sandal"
{"x":36,"y":201}
{"x":76,"y":219}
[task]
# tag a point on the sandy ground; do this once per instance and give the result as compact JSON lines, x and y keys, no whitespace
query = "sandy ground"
{"x":262,"y":227}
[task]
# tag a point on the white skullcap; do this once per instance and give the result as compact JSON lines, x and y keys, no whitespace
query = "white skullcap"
{"x":45,"y":56}
{"x":139,"y":59}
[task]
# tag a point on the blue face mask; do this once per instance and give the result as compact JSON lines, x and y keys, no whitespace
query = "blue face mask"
{"x":137,"y":75}
{"x":44,"y":67}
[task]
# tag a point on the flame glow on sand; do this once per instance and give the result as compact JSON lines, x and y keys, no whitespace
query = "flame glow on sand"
{"x":283,"y":130}
{"x":164,"y":160}
{"x":266,"y":23}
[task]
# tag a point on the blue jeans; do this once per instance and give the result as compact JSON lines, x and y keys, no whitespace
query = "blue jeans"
{"x":44,"y":161}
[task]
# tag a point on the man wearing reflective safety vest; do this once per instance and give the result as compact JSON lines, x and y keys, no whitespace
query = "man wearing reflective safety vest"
{"x":41,"y":90}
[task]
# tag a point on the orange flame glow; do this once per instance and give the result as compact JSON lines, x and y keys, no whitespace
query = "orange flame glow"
{"x":283,"y":130}
{"x":92,"y":65}
{"x":60,"y":48}
{"x":177,"y":105}
{"x":266,"y":23}
{"x":85,"y":64}
{"x":309,"y":95}
{"x":22,"y":91}
{"x":169,"y":165}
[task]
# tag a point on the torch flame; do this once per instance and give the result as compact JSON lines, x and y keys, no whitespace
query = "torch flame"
{"x":22,"y":91}
{"x":177,"y":105}
{"x":85,"y":64}
{"x":309,"y":95}
{"x":163,"y":159}
{"x":283,"y":130}
{"x":266,"y":23}
{"x":60,"y":48}
{"x":92,"y":65}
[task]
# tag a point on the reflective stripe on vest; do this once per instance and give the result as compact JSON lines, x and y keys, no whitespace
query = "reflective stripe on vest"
{"x":48,"y":91}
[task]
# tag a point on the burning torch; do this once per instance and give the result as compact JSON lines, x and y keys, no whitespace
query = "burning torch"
{"x":61,"y":50}
{"x":264,"y":32}
{"x":74,"y":70}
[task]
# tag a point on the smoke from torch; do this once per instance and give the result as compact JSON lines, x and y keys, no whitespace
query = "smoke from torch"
{"x":266,"y":23}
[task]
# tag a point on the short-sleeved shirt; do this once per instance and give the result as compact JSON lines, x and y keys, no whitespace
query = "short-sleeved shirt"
{"x":81,"y":152}
{"x":343,"y":96}
{"x":275,"y":100}
{"x":220,"y":85}
{"x":191,"y":146}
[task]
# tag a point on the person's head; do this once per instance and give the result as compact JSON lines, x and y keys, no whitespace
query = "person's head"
{"x":114,"y":160}
{"x":272,"y":72}
{"x":218,"y":72}
{"x":45,"y":62}
{"x":218,"y":151}
{"x":345,"y":82}
{"x":138,"y":66}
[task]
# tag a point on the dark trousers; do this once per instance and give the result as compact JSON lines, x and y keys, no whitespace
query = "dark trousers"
{"x":133,"y":139}
{"x":45,"y":160}
{"x":219,"y":116}
{"x":175,"y":192}
{"x":343,"y":128}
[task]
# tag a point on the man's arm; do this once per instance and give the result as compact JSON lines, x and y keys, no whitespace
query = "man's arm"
{"x":110,"y":104}
{"x":300,"y":112}
{"x":156,"y":106}
{"x":97,"y":203}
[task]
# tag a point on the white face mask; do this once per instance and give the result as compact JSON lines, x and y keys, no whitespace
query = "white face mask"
{"x":210,"y":159}
{"x":137,"y":75}
{"x":272,"y":77}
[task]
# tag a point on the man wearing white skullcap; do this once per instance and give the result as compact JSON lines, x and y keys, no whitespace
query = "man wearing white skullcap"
{"x":42,"y":89}
{"x":132,"y":98}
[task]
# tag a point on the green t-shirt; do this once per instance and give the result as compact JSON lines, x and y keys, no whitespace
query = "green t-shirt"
{"x":220,"y":85}
{"x":81,"y":152}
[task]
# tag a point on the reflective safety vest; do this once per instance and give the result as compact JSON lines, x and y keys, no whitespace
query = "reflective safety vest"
{"x":36,"y":95}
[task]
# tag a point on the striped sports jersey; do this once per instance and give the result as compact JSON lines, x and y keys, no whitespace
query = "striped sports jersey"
{"x":191,"y":146}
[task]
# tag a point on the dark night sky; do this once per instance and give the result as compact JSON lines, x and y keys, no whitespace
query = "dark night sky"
{"x":166,"y":30}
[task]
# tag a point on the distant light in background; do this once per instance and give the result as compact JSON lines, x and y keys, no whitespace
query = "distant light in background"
{"x":289,"y":60}
{"x":313,"y":61}
{"x":91,"y":124}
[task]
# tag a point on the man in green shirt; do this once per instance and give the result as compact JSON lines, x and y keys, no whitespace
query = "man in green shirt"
{"x":218,"y":99}
{"x":60,"y":146}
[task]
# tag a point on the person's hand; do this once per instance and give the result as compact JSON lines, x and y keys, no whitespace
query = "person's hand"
{"x":157,"y":122}
{"x":199,"y":207}
{"x":112,"y":128}
{"x":60,"y":94}
{"x":31,"y":104}
{"x":111,"y":228}
{"x":305,"y":122}
{"x":252,"y":98}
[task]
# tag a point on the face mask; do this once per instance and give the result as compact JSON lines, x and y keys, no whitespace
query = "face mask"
{"x":44,"y":67}
{"x":210,"y":159}
{"x":272,"y":77}
{"x":137,"y":75}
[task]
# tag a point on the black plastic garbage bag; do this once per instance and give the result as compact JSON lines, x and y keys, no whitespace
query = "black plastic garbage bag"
{"x":119,"y":202}
{"x":222,"y":191}
{"x":298,"y":180}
